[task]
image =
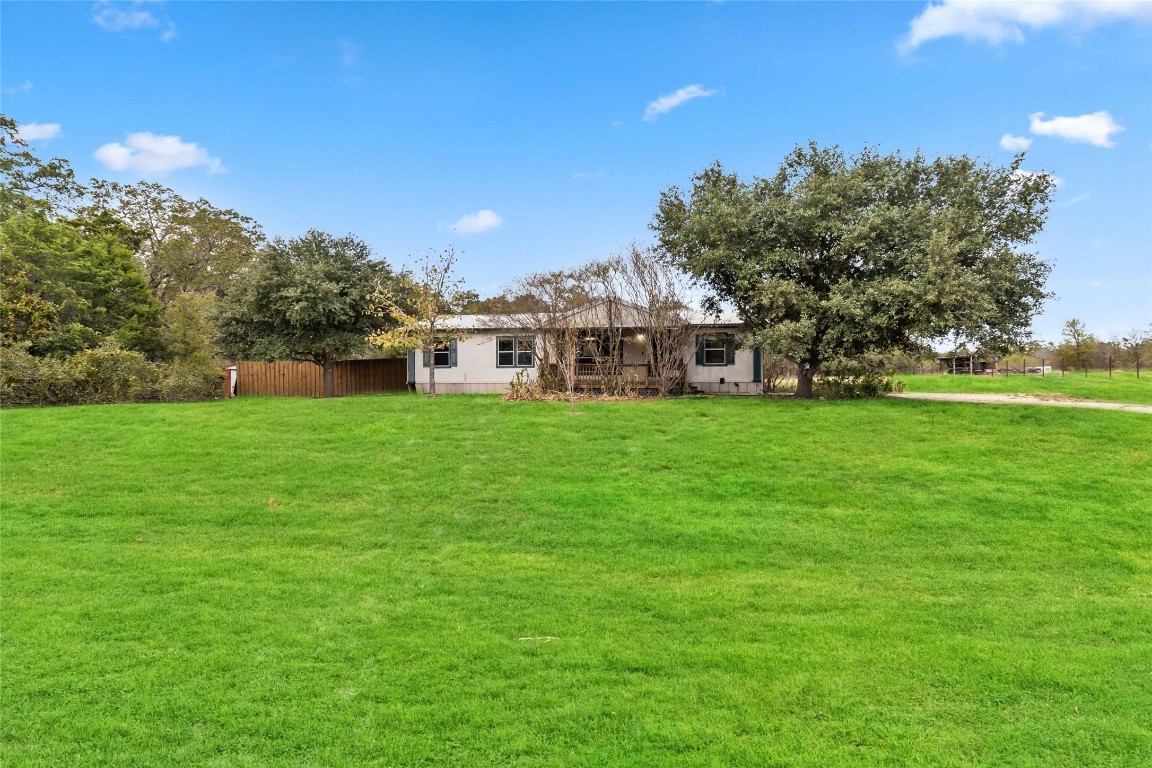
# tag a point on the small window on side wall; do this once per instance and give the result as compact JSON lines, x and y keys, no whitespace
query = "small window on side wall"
{"x":514,"y":352}
{"x":443,"y":355}
{"x":717,"y":349}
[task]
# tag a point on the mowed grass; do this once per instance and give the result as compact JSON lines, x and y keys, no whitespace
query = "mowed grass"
{"x":1123,"y":387}
{"x":729,"y":582}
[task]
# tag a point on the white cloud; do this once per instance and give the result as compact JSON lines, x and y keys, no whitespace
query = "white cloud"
{"x":117,"y":18}
{"x":24,"y":87}
{"x":1096,"y":128}
{"x":481,"y":221}
{"x":123,"y":17}
{"x":1015,"y":143}
{"x":998,"y":21}
{"x":1020,"y":173}
{"x":670,"y":101}
{"x":350,"y":51}
{"x":38,"y":131}
{"x":147,"y":153}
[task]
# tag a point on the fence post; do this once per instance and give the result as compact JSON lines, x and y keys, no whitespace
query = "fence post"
{"x":1109,"y":366}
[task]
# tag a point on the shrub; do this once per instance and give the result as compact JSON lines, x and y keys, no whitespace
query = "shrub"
{"x":110,"y":374}
{"x":26,"y":379}
{"x":851,"y":382}
{"x":190,"y":380}
{"x":107,"y":374}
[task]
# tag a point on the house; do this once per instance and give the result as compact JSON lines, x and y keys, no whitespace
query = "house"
{"x":493,"y":349}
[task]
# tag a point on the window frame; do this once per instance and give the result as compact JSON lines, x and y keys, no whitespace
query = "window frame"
{"x":445,"y":347}
{"x":521,"y":345}
{"x":714,"y":339}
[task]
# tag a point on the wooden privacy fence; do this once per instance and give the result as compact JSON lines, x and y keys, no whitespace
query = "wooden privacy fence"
{"x":292,"y":379}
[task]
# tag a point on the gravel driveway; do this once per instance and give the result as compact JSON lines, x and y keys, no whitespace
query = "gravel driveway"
{"x":958,"y":397}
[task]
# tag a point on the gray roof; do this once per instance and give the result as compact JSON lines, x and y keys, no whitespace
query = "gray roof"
{"x":588,"y":317}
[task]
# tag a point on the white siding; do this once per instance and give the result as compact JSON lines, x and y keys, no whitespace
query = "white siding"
{"x":737,"y":378}
{"x":475,"y":370}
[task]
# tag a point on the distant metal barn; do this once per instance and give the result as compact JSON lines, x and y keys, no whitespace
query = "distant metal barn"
{"x":966,"y":364}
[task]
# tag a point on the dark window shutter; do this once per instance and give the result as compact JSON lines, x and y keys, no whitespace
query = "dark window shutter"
{"x":427,"y":355}
{"x":699,"y":350}
{"x":757,"y":366}
{"x":452,"y":354}
{"x":411,"y":366}
{"x":730,"y":351}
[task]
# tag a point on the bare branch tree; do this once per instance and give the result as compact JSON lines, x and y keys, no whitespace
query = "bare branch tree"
{"x":657,"y":294}
{"x":606,"y":321}
{"x":555,"y":297}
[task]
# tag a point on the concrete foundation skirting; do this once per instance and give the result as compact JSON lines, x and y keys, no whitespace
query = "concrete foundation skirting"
{"x":464,"y":388}
{"x":728,"y":387}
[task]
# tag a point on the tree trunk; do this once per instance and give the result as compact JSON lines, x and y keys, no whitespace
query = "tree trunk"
{"x":804,"y":375}
{"x":432,"y":372}
{"x":329,"y":378}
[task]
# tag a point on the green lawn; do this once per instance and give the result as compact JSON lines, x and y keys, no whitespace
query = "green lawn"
{"x":729,"y":581}
{"x":1123,"y":387}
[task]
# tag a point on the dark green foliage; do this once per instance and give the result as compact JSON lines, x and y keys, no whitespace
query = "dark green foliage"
{"x":303,"y":299}
{"x":72,"y":285}
{"x":853,"y":382}
{"x":836,"y":256}
{"x":107,"y":374}
{"x":309,"y":299}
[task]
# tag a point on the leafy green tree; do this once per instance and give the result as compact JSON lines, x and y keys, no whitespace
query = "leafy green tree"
{"x":188,"y":331}
{"x":184,"y":245}
{"x":1076,"y":343}
{"x":309,"y":298}
{"x":26,"y":181}
{"x":836,"y":256}
{"x":72,"y":285}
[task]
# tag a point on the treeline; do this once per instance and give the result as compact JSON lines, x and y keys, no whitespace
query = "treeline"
{"x":1080,"y":349}
{"x":1076,"y":349}
{"x":114,"y":292}
{"x":108,"y":289}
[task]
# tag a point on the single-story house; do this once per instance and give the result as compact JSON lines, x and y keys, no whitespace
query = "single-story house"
{"x":490,"y":350}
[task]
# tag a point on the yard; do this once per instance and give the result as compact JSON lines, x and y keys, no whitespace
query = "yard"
{"x":1123,"y":387}
{"x":393,"y":581}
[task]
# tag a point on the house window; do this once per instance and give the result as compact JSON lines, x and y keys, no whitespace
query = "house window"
{"x":716,"y":350}
{"x":442,"y":354}
{"x":592,"y":349}
{"x":514,"y":351}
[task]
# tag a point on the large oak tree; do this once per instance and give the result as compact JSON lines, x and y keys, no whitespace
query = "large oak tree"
{"x":309,"y":299}
{"x":836,"y":256}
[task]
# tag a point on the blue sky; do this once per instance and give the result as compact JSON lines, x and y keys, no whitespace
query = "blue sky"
{"x":526,"y":123}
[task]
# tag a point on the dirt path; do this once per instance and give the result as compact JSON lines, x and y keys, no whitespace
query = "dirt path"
{"x":965,"y":397}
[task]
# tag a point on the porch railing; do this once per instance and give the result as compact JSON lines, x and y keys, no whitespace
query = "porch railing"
{"x":630,"y":374}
